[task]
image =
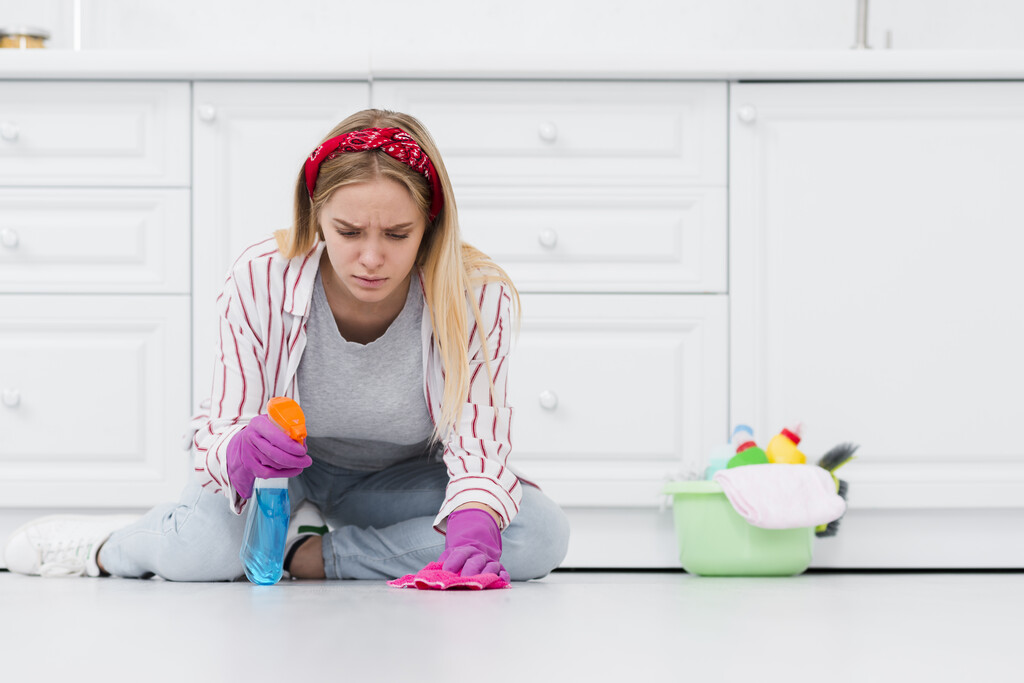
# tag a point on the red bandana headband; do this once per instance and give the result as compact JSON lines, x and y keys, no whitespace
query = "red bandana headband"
{"x":395,"y":142}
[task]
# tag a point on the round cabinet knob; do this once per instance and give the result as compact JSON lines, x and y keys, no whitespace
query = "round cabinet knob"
{"x":548,"y":238}
{"x":548,"y":400}
{"x":11,"y":398}
{"x":9,"y":131}
{"x":548,"y":132}
{"x":747,"y":113}
{"x":9,"y":238}
{"x":206,"y":112}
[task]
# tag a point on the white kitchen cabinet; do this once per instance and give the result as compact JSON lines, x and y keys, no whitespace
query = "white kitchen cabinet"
{"x":692,"y":254}
{"x":250,"y":142}
{"x":875,"y":233}
{"x":94,"y":294}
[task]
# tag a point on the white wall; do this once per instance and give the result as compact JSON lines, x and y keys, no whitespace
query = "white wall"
{"x":543,"y":25}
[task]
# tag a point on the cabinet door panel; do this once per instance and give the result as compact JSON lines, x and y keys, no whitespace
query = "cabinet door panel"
{"x":876,"y":283}
{"x":98,"y":240}
{"x":94,"y":399}
{"x":79,"y":133}
{"x":587,"y":241}
{"x":614,"y":392}
{"x":543,"y":133}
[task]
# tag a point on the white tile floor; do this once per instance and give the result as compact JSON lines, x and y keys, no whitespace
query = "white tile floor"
{"x":823,"y":627}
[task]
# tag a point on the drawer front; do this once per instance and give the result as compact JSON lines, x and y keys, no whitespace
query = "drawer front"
{"x":614,"y":392}
{"x":586,"y":241}
{"x":94,"y":396}
{"x":540,"y":133}
{"x":84,"y":241}
{"x":61,"y":133}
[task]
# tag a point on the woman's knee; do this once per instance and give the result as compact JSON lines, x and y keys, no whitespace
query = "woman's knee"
{"x":186,"y":562}
{"x":201,"y":542}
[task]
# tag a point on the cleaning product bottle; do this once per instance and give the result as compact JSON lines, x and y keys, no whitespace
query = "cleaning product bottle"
{"x":783,"y":446}
{"x":266,"y":527}
{"x":720,"y":456}
{"x":747,"y":452}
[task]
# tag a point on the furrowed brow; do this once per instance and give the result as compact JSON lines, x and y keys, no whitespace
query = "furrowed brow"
{"x":346,"y":224}
{"x":353,"y":226}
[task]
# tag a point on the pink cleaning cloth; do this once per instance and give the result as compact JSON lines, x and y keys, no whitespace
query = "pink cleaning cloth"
{"x":433,"y":578}
{"x":777,"y":496}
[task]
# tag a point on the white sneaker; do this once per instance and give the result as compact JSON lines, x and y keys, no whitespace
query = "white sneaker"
{"x":61,"y":545}
{"x":305,"y":522}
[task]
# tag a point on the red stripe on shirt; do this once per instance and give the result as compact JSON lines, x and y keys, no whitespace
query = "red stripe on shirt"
{"x":223,"y":365}
{"x":241,"y":372}
{"x":245,"y":253}
{"x":252,"y":288}
{"x":263,"y":381}
{"x":497,"y":373}
{"x":284,"y":340}
{"x":298,"y":278}
{"x":209,"y":470}
{"x":473,"y":330}
{"x":462,"y":445}
{"x":497,"y":317}
{"x":472,"y":334}
{"x":270,"y":319}
{"x":488,"y":492}
{"x":511,"y":497}
{"x":501,"y":334}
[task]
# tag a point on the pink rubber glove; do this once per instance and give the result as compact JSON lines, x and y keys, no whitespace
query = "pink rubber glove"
{"x":263,"y":450}
{"x":472,"y":545}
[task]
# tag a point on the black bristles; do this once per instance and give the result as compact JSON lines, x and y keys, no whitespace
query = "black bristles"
{"x":831,"y":461}
{"x":836,"y":457}
{"x":832,"y":528}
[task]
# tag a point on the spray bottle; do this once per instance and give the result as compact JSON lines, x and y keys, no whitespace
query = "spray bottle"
{"x":266,"y":528}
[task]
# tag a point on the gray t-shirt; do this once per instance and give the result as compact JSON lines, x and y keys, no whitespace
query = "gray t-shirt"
{"x":364,"y":403}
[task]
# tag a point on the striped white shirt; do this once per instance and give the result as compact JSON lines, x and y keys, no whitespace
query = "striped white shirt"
{"x":263,"y":309}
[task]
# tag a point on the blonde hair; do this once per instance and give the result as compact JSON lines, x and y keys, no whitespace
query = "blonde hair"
{"x":452,"y":269}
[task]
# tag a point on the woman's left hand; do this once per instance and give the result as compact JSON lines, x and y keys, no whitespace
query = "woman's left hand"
{"x":472,"y":544}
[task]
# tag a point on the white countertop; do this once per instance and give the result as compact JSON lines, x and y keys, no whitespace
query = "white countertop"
{"x":362,"y":65}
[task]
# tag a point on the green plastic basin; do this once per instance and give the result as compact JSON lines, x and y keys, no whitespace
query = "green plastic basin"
{"x":714,"y":540}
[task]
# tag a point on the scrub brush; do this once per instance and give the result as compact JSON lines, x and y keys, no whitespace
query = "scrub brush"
{"x":830,"y":462}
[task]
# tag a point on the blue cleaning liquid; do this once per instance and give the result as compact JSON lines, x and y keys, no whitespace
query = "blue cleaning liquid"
{"x":265,"y":531}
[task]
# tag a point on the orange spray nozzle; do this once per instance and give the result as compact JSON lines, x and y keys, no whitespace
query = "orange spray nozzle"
{"x":287,"y":414}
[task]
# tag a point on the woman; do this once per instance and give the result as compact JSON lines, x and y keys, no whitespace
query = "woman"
{"x":393,"y":335}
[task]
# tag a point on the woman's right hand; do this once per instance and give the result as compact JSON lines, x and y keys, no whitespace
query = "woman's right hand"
{"x":263,"y":450}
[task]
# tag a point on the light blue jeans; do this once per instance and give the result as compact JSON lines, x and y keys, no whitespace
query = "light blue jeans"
{"x":382,"y":528}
